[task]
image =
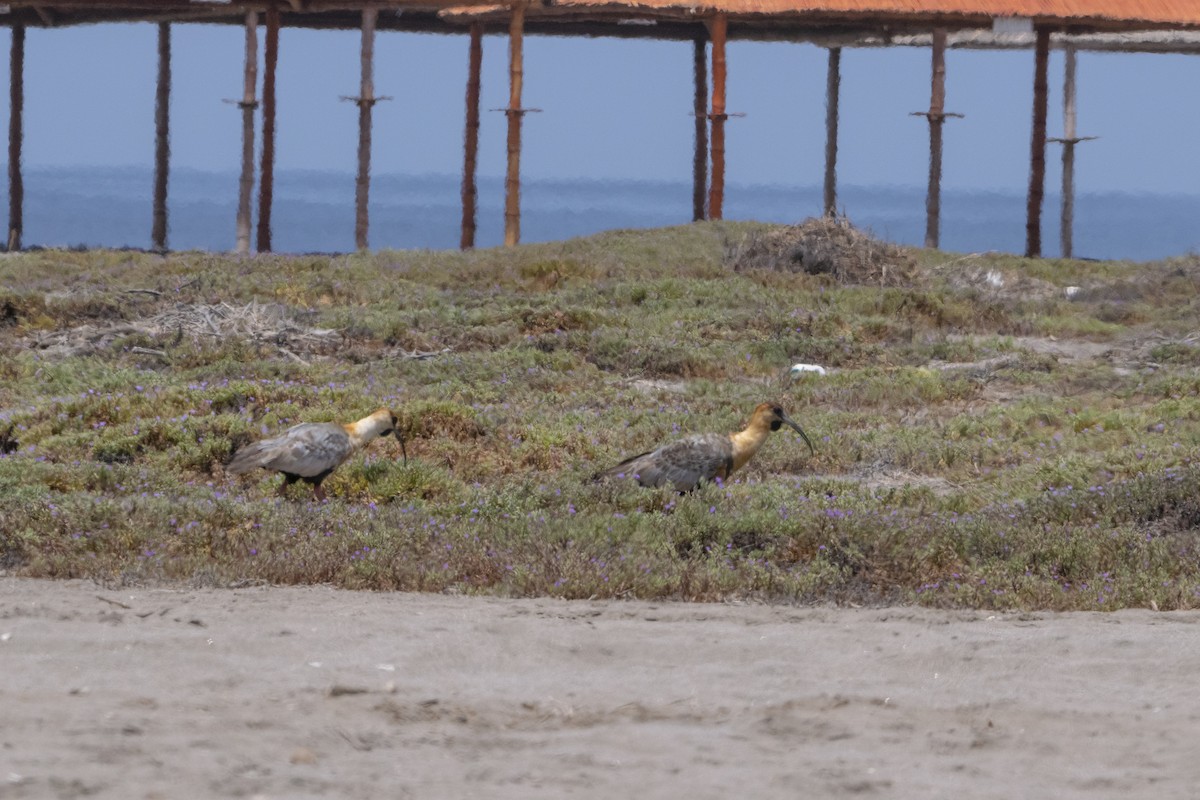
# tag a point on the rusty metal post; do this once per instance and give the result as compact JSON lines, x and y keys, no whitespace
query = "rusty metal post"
{"x":937,"y":110}
{"x":514,"y":112}
{"x":266,"y":187}
{"x":833,"y":84}
{"x":1037,"y":155}
{"x":471,"y":137}
{"x":700,"y":110}
{"x":16,"y":106}
{"x":1066,"y":228}
{"x":1069,"y":139}
{"x":366,"y":101}
{"x":718,"y":27}
{"x":937,"y":116}
{"x":248,"y":104}
{"x":162,"y":139}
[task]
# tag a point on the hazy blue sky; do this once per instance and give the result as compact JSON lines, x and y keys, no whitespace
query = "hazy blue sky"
{"x":612,"y":108}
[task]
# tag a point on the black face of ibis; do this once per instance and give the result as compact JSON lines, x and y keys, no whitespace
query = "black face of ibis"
{"x":782,"y":419}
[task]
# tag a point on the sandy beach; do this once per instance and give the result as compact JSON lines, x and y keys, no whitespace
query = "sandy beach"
{"x":313,"y":692}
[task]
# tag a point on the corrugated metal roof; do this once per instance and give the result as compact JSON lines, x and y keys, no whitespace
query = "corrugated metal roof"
{"x":1156,"y":41}
{"x":1153,"y":12}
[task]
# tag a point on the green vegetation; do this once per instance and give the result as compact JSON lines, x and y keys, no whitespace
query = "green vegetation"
{"x":984,"y":437}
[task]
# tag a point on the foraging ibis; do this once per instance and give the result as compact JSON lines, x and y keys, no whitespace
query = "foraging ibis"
{"x":312,"y":450}
{"x":685,"y":463}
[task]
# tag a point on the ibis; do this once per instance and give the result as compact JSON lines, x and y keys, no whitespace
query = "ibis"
{"x":312,"y":450}
{"x":685,"y":463}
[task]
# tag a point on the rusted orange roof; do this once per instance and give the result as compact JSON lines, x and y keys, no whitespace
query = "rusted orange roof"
{"x":1154,"y":12}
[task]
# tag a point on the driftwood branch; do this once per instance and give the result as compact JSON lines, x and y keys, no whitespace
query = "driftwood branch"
{"x":421,"y":355}
{"x":294,"y":357}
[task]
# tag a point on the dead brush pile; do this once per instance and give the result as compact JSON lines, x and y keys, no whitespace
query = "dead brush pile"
{"x":825,"y":246}
{"x":255,"y":322}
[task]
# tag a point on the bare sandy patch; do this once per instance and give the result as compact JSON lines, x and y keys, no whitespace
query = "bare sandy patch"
{"x":312,"y":692}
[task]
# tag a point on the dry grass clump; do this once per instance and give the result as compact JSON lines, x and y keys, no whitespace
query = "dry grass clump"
{"x":825,"y":246}
{"x":989,"y":282}
{"x":197,"y":322}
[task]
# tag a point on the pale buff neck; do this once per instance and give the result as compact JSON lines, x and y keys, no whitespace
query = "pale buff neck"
{"x":747,"y":442}
{"x":367,"y":429}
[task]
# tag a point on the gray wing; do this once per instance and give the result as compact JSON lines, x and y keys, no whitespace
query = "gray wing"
{"x":305,"y":450}
{"x":682,"y":464}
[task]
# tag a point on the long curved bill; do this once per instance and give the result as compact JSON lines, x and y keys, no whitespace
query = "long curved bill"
{"x":404,"y":450}
{"x":787,"y":421}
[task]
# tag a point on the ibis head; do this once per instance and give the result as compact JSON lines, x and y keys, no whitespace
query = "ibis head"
{"x":775,"y":418}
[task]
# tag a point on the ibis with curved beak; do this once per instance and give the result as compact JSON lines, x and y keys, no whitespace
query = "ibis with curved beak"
{"x":684,"y":464}
{"x":312,"y":450}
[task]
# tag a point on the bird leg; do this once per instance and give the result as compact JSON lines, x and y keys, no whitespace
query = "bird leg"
{"x":288,"y":480}
{"x":319,"y":492}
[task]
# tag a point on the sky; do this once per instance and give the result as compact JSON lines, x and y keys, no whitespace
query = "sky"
{"x":611,"y":109}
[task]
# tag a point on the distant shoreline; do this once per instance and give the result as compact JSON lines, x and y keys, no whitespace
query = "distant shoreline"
{"x":110,"y":207}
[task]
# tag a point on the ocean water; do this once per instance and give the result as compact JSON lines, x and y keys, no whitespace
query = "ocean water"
{"x":314,"y":212}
